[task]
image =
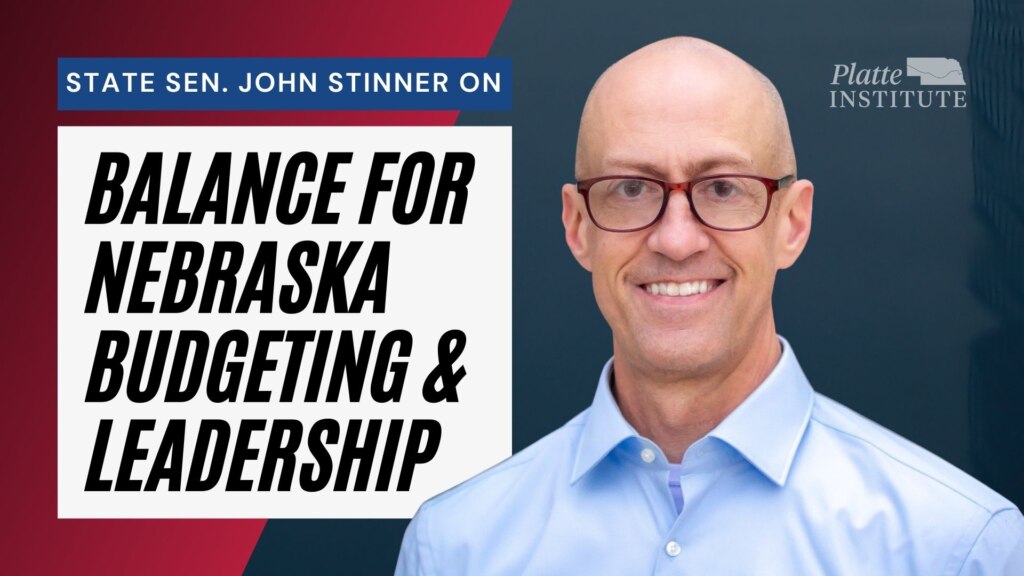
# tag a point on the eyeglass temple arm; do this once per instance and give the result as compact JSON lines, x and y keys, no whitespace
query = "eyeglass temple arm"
{"x":784,"y":181}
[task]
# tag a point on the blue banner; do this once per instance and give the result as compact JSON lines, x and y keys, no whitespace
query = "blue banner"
{"x":284,"y":84}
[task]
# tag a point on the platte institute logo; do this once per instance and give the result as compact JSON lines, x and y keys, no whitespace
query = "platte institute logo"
{"x":882,"y":87}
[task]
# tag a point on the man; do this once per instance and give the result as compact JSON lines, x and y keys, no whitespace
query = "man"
{"x":705,"y":450}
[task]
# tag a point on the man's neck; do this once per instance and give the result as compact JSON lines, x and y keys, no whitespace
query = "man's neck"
{"x":675,"y":414}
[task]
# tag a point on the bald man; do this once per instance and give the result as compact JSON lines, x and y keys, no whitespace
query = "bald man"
{"x":705,"y":450}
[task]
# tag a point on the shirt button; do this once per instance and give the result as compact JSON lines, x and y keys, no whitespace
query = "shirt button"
{"x":673,"y":548}
{"x":647,"y":455}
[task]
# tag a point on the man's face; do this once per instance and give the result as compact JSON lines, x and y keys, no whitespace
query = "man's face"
{"x":677,"y":130}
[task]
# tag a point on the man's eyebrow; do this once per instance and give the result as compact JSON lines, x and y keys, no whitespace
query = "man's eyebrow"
{"x":693,"y":168}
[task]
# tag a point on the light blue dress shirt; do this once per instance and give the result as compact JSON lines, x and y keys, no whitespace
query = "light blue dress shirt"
{"x":790,"y":483}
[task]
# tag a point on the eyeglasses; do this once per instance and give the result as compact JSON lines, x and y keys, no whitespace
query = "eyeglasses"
{"x":728,"y":202}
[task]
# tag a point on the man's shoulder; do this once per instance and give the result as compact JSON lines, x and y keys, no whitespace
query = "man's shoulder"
{"x":886,"y":460}
{"x":538,"y":466}
{"x":462,"y":527}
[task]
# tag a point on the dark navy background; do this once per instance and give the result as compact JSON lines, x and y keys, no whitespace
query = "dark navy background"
{"x":907,"y":304}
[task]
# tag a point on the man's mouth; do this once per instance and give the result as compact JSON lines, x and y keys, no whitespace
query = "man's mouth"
{"x":682,"y":288}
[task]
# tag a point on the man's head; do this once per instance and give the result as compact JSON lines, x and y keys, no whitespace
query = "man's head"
{"x":678,"y":110}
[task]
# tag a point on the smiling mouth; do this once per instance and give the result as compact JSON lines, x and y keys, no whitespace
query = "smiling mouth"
{"x":682,"y":288}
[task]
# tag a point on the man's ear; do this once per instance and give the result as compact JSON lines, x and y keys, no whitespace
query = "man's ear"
{"x":794,"y":222}
{"x":575,"y":221}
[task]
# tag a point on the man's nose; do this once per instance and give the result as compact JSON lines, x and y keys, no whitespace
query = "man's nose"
{"x":678,"y":234}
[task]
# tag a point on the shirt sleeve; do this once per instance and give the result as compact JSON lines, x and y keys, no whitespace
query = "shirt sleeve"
{"x":999,"y":549}
{"x":414,"y":558}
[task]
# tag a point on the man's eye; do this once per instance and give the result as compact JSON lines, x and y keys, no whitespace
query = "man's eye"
{"x":630,"y":188}
{"x":723,"y":189}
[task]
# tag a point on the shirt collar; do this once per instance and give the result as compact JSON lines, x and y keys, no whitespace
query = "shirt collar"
{"x":766,"y":428}
{"x":605,"y":427}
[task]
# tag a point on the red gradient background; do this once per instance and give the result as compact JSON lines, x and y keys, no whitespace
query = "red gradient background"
{"x":35,"y":35}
